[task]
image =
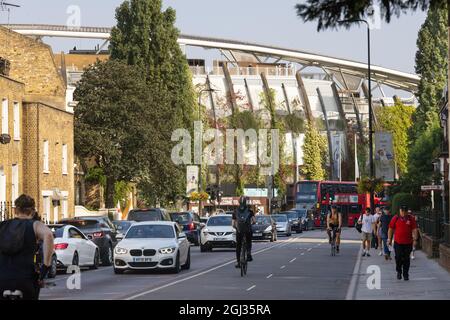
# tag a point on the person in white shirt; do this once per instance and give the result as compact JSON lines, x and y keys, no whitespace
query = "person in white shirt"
{"x":368,"y":226}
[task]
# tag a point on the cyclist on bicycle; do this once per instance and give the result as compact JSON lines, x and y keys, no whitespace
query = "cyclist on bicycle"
{"x":243,"y":218}
{"x":19,"y":239}
{"x":334,"y":221}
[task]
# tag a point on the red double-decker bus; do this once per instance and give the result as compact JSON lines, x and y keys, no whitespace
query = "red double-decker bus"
{"x":317,"y":196}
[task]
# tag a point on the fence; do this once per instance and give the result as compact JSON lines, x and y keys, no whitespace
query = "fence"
{"x":431,"y":223}
{"x":6,"y":211}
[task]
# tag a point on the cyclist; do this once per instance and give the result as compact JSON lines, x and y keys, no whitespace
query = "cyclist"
{"x":243,"y":218}
{"x":334,"y":221}
{"x":19,"y":243}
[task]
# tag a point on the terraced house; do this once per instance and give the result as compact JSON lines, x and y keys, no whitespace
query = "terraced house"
{"x":36,"y":141}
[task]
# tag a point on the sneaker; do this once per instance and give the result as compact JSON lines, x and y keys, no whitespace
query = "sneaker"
{"x":406,"y":277}
{"x":390,"y":258}
{"x":337,"y":249}
{"x":399,"y":276}
{"x":412,"y":256}
{"x":368,"y":254}
{"x":386,"y":257}
{"x":237,"y":265}
{"x":364,"y":254}
{"x":380,"y":253}
{"x":249,"y":258}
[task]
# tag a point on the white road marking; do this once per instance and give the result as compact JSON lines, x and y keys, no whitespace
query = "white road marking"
{"x":292,"y":260}
{"x":302,"y":254}
{"x":193,"y":276}
{"x":309,"y":249}
{"x":269,"y":276}
{"x":282,"y":267}
{"x":252,"y":287}
{"x":355,"y":277}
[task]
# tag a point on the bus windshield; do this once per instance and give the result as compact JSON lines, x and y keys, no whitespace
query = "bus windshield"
{"x":307,"y":192}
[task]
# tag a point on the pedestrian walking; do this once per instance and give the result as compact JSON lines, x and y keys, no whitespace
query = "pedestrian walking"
{"x":368,"y":225}
{"x":383,"y":227}
{"x":414,"y":246}
{"x":403,"y":228}
{"x":376,"y":237}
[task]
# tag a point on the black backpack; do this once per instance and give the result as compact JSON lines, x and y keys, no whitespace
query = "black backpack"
{"x":243,"y":220}
{"x":12,"y":236}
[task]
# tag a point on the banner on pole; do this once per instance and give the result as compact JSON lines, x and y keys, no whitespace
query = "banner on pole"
{"x":384,"y":156}
{"x":191,"y":179}
{"x":337,"y":156}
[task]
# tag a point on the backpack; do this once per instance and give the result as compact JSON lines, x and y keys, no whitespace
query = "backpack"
{"x":12,"y":236}
{"x":243,"y":220}
{"x":358,"y":226}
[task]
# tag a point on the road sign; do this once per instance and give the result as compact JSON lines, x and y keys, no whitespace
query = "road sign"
{"x":432,"y":188}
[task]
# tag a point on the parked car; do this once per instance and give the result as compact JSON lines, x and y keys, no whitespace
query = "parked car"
{"x":101,"y":231}
{"x":283,"y":224}
{"x":122,"y":227}
{"x":305,"y":218}
{"x":190,"y":222}
{"x":151,"y":245}
{"x":294,"y":220}
{"x":72,"y":247}
{"x":153,"y":214}
{"x":264,"y":228}
{"x":218,"y":233}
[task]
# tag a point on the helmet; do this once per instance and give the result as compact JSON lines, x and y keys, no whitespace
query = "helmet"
{"x":243,"y":200}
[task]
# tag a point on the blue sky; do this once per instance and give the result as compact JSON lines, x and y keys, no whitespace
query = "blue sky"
{"x":261,"y":21}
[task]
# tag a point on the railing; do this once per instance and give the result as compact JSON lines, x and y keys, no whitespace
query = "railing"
{"x":431,"y":223}
{"x":6,"y":211}
{"x":252,"y":71}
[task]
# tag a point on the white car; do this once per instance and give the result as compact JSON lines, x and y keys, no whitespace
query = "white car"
{"x":218,"y":233}
{"x":72,"y":247}
{"x":153,"y":245}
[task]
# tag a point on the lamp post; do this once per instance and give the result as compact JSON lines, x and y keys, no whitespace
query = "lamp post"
{"x":369,"y":79}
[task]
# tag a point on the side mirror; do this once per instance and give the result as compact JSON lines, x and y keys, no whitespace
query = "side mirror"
{"x":181,"y":236}
{"x":119,"y":236}
{"x":90,"y":237}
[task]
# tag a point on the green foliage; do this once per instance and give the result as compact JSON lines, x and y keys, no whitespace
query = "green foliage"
{"x":96,"y":175}
{"x":397,"y":120}
{"x":121,"y":191}
{"x":109,"y":126}
{"x":367,"y":185}
{"x":294,"y":123}
{"x":312,"y":155}
{"x":402,"y":198}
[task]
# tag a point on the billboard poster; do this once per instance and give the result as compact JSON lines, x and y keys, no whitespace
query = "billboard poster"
{"x":337,"y":156}
{"x":384,"y":156}
{"x":191,"y":179}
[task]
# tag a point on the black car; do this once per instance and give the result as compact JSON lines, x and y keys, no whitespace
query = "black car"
{"x":154,"y":214}
{"x":191,"y":224}
{"x":295,"y":220}
{"x":305,"y":218}
{"x":101,"y":231}
{"x":122,"y":227}
{"x":264,"y":228}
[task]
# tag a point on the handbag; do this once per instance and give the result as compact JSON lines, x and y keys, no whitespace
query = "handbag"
{"x":358,"y":226}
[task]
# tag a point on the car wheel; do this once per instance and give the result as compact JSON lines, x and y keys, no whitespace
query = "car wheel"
{"x":107,"y":258}
{"x":177,"y":267}
{"x":119,"y":271}
{"x":75,"y":259}
{"x":96,"y":260}
{"x":187,"y":265}
{"x":53,"y":268}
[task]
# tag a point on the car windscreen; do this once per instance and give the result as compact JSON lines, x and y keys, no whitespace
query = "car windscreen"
{"x":150,"y":232}
{"x":280,"y":218}
{"x":292,"y":215}
{"x":144,"y":215}
{"x":182,"y":217}
{"x":262,"y":220}
{"x":122,"y":226}
{"x":219,"y":221}
{"x":302,"y":213}
{"x":83,"y":224}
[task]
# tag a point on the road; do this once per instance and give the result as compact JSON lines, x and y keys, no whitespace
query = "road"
{"x":298,"y":267}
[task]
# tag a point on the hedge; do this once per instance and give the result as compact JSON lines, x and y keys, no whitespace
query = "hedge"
{"x":407,"y":199}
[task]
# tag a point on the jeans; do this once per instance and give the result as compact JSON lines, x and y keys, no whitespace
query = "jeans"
{"x":239,"y":237}
{"x":402,"y":258}
{"x":384,"y":239}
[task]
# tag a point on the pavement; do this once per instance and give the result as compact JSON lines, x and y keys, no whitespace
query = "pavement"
{"x":427,"y":279}
{"x":299,"y":267}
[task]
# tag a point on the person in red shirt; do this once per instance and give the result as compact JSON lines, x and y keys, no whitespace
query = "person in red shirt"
{"x":405,"y":228}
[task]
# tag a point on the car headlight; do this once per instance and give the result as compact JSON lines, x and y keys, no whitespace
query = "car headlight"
{"x":268,"y":229}
{"x":119,"y":250}
{"x":167,"y":250}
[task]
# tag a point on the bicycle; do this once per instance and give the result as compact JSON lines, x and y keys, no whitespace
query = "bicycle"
{"x":243,"y":258}
{"x":333,"y":242}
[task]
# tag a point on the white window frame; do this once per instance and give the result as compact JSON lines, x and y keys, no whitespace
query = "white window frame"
{"x":16,"y":117}
{"x":64,"y":159}
{"x":5,"y":106}
{"x":14,"y":182}
{"x":46,"y":156}
{"x":47,"y":207}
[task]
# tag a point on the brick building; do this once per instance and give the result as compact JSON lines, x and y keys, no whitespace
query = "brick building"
{"x":37,"y":147}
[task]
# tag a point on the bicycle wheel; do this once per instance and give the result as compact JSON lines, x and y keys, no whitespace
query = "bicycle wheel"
{"x":243,"y":258}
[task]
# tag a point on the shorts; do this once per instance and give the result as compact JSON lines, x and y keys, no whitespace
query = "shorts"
{"x":366,"y":236}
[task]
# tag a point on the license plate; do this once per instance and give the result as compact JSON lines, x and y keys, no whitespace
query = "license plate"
{"x":142,"y":259}
{"x":257,"y":234}
{"x":220,"y":239}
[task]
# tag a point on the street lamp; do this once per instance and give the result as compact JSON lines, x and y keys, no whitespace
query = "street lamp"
{"x":371,"y":163}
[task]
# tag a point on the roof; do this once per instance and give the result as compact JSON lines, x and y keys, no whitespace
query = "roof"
{"x":159,"y":223}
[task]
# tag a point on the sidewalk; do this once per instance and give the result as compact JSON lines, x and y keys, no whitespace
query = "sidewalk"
{"x":427,"y":280}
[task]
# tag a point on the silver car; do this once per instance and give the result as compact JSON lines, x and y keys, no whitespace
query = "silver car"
{"x":283,"y":225}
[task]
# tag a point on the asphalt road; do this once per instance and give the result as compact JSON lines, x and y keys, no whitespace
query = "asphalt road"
{"x":298,"y":267}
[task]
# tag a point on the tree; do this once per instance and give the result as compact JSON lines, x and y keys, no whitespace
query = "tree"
{"x":328,"y":13}
{"x":112,"y":102}
{"x":145,"y":36}
{"x":431,"y":65}
{"x":397,"y":120}
{"x":312,"y":156}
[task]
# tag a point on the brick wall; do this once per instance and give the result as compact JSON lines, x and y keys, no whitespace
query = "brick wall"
{"x":33,"y":64}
